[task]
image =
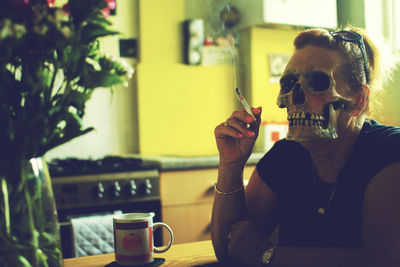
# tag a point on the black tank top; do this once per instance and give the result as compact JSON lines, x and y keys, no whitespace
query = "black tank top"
{"x":287,"y":169}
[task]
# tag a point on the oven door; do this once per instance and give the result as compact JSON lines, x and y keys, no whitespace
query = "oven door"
{"x":68,"y":235}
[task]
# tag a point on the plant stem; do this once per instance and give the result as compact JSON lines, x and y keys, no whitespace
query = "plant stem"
{"x":6,"y":206}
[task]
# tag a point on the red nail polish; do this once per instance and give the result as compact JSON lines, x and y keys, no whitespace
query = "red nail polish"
{"x":240,"y":135}
{"x":249,"y":119}
{"x":256,"y":110}
{"x":250,"y":133}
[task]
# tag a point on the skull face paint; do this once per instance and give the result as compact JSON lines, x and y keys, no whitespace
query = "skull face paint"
{"x":315,"y":95}
{"x":311,"y":100}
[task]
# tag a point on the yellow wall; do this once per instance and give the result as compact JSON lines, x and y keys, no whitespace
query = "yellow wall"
{"x":178,"y":105}
{"x":160,"y":39}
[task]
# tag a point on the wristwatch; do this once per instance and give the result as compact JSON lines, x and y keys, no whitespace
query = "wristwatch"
{"x":267,"y":256}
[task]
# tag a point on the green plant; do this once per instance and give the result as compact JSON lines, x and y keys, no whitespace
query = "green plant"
{"x":50,"y":64}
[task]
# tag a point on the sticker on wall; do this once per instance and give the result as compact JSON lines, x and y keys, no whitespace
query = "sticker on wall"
{"x":270,"y":132}
{"x":277,"y":64}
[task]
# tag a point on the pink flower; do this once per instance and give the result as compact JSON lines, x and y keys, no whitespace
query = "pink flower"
{"x":111,"y":5}
{"x":51,"y":3}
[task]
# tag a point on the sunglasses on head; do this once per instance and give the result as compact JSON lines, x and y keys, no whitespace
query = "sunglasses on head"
{"x":355,"y":38}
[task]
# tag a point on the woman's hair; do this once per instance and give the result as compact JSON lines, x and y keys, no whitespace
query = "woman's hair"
{"x":354,"y":65}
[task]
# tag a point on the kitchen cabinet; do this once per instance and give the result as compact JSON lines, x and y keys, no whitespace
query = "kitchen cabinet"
{"x":269,"y":12}
{"x":186,"y":202}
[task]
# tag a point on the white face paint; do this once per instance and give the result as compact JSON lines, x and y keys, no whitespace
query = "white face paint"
{"x":309,"y":92}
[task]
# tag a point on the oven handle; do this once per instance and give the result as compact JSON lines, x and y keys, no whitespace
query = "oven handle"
{"x":66,"y":223}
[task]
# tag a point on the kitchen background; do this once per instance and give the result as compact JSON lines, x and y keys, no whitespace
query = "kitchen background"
{"x":167,"y":113}
{"x":171,"y":108}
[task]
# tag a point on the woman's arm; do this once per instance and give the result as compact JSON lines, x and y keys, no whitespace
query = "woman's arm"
{"x":235,"y":140}
{"x":256,"y":203}
{"x":227,"y":209}
{"x":381,"y":228}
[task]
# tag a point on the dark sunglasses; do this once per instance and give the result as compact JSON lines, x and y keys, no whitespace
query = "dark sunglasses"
{"x":355,"y":38}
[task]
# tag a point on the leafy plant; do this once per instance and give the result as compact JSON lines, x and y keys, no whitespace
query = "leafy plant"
{"x":50,"y":64}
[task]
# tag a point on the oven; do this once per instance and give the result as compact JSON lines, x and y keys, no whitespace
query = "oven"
{"x":83,"y":188}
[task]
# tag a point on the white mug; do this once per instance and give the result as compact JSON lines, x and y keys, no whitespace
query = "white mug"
{"x":133,"y":238}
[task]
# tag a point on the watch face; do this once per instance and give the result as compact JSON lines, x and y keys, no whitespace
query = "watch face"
{"x":267,"y":256}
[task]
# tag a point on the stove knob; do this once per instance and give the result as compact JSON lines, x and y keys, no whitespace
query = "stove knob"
{"x":116,"y":189}
{"x":132,"y":188}
{"x":148,"y":187}
{"x":99,"y":191}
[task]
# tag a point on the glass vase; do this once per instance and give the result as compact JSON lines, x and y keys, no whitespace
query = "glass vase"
{"x":29,"y":228}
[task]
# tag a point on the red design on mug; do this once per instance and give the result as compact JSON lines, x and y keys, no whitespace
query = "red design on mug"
{"x":132,"y":242}
{"x":151,"y":239}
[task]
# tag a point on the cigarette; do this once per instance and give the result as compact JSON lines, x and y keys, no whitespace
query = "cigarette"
{"x":244,"y":103}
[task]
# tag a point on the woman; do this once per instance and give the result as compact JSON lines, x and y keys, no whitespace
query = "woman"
{"x":332,"y":185}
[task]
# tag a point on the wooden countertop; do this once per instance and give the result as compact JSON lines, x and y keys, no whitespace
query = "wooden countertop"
{"x":188,"y":254}
{"x":175,"y":163}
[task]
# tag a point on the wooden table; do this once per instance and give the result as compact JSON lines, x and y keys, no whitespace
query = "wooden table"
{"x":187,"y":254}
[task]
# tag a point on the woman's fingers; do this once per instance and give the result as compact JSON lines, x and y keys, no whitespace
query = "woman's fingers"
{"x":244,"y":122}
{"x":240,"y":124}
{"x":225,"y":130}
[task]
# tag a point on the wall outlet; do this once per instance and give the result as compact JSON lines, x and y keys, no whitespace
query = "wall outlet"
{"x":128,"y":47}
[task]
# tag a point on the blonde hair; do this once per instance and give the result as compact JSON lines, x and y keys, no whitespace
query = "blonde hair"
{"x":354,"y":65}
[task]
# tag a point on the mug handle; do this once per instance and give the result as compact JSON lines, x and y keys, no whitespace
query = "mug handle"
{"x":171,"y":239}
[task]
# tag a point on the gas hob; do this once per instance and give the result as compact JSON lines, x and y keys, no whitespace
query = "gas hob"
{"x":109,"y":164}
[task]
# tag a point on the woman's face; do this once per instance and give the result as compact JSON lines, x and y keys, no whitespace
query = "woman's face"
{"x":315,"y":93}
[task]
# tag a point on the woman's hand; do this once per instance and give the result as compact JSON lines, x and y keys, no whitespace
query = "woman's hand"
{"x":234,"y":140}
{"x":246,"y":243}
